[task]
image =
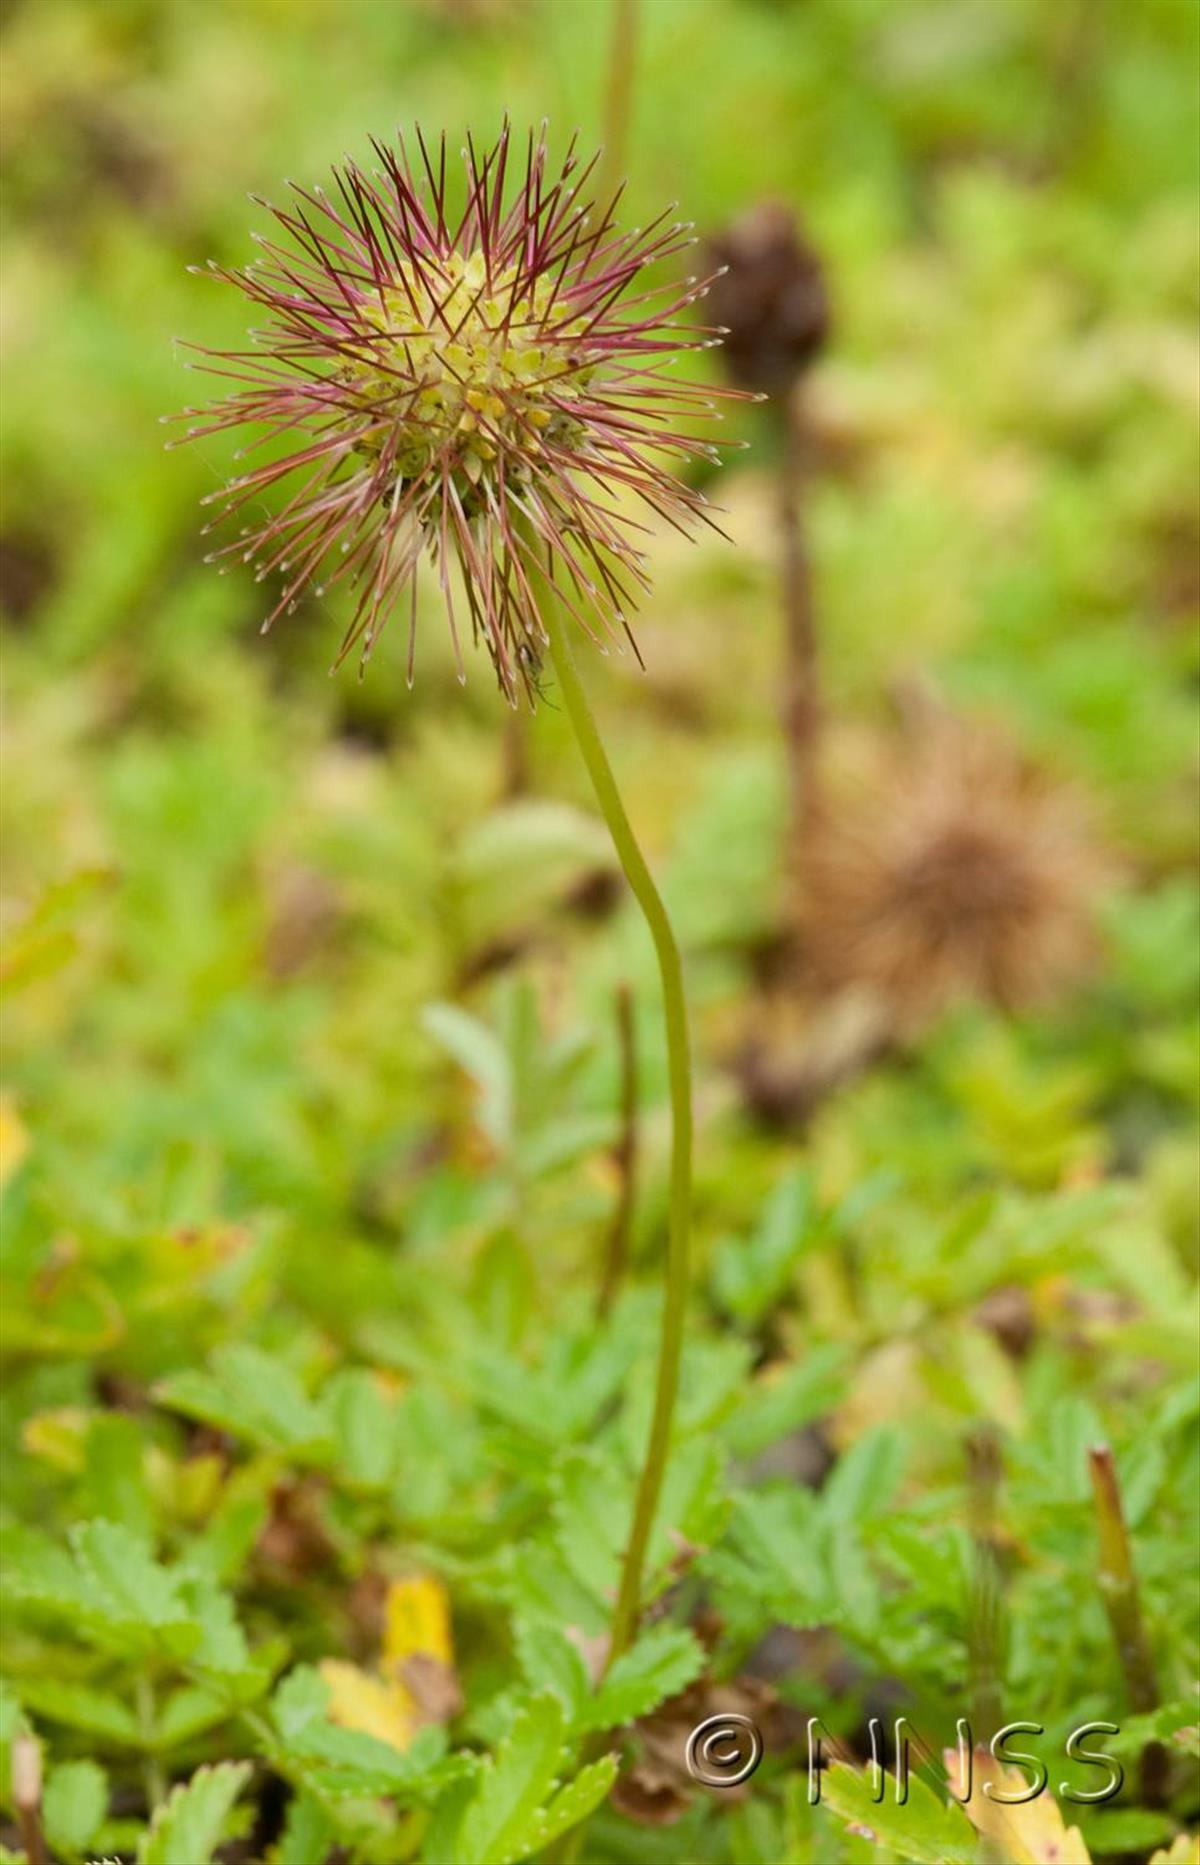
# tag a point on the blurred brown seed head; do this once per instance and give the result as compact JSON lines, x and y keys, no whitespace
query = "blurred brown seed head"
{"x":772,"y":300}
{"x":960,"y":869}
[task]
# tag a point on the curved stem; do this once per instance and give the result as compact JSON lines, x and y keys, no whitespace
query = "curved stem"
{"x":801,"y":684}
{"x":616,"y":1255}
{"x":679,"y":1065}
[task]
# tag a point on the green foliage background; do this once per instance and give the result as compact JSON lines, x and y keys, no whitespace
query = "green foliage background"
{"x":309,"y":1045}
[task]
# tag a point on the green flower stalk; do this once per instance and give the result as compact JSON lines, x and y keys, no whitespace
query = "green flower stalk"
{"x":489,"y":390}
{"x":1122,"y":1603}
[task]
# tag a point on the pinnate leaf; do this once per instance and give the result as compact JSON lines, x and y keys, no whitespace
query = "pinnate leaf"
{"x":923,"y":1831}
{"x":571,"y":1804}
{"x":307,"y":1834}
{"x":513,"y":1784}
{"x":79,"y":1706}
{"x":552,"y":1661}
{"x":188,"y":1827}
{"x":662,"y":1662}
{"x":253,"y":1395}
{"x":74,"y":1804}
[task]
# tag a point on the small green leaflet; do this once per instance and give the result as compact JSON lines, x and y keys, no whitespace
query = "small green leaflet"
{"x":79,"y":1706}
{"x":516,"y":1807}
{"x":253,"y":1395}
{"x":189,"y":1825}
{"x":750,"y":1275}
{"x":664,"y":1660}
{"x":307,"y":1834}
{"x":74,"y":1804}
{"x":922,"y":1831}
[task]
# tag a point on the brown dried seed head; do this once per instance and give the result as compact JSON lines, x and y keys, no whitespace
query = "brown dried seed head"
{"x":772,"y":300}
{"x":959,"y":870}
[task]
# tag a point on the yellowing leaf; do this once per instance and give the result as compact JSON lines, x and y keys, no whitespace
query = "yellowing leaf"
{"x":1031,"y":1833}
{"x":417,"y":1685}
{"x":58,"y":1436}
{"x":14,"y":1139}
{"x":416,"y":1623}
{"x":1184,"y":1851}
{"x":372,"y":1705}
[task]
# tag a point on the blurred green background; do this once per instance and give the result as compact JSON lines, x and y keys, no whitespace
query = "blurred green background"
{"x":233,"y":886}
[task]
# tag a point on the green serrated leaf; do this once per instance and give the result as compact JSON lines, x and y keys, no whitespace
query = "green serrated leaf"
{"x":365,"y":1426}
{"x":225,"y":1543}
{"x":922,"y":1831}
{"x":187,"y":1713}
{"x":220,"y":1647}
{"x":513,"y":1784}
{"x":78,"y":1706}
{"x":74,"y":1804}
{"x":784,"y":1399}
{"x":566,"y":1809}
{"x":1124,"y":1829}
{"x":300,"y":1699}
{"x":349,"y":1762}
{"x":663,"y":1661}
{"x":113,"y":1485}
{"x":751,"y":1274}
{"x":863,"y":1480}
{"x":440,"y":1844}
{"x":1169,"y":1722}
{"x":591,"y":1508}
{"x":552,"y":1661}
{"x":307,"y":1834}
{"x":253,"y":1395}
{"x":120,"y":1567}
{"x":480,"y":1053}
{"x":188,"y":1827}
{"x":36,"y":1571}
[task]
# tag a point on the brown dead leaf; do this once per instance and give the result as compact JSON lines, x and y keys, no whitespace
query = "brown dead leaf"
{"x":657,"y":1790}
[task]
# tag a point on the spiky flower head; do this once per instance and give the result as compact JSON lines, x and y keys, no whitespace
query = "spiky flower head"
{"x":489,"y":387}
{"x":960,"y":869}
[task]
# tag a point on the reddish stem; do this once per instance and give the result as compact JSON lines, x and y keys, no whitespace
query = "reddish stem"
{"x":801,"y":685}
